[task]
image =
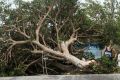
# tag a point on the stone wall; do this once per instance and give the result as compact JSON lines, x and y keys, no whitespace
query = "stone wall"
{"x":66,"y":77}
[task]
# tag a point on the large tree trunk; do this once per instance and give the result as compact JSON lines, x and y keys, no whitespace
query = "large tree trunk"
{"x":65,"y":54}
{"x":76,"y":61}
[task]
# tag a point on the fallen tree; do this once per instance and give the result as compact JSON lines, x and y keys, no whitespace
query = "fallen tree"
{"x":37,"y":38}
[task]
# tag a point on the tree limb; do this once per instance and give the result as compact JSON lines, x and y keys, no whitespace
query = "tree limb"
{"x":39,"y":25}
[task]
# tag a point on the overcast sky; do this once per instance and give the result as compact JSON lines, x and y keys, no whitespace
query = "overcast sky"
{"x":32,"y":0}
{"x":79,"y":0}
{"x":94,"y":0}
{"x":13,"y":6}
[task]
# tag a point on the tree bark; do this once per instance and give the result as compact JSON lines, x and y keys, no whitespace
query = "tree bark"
{"x":76,"y":61}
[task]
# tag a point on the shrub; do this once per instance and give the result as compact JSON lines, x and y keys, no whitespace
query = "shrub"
{"x":105,"y":65}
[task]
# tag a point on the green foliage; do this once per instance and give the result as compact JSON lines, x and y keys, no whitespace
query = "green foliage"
{"x":17,"y":71}
{"x":89,"y":56}
{"x":105,"y":65}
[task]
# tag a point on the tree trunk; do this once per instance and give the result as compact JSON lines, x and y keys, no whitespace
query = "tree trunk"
{"x":76,"y":61}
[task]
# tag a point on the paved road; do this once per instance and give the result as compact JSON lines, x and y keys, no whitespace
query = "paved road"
{"x":66,"y":77}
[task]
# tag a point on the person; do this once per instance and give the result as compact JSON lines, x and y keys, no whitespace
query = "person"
{"x":109,"y":51}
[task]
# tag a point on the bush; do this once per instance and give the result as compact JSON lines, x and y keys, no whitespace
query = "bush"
{"x":88,"y":55}
{"x":105,"y":65}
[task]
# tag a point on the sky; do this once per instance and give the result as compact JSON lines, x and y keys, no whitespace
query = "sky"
{"x":27,"y":0}
{"x":13,"y":6}
{"x":79,"y":0}
{"x":101,"y":1}
{"x":9,"y":1}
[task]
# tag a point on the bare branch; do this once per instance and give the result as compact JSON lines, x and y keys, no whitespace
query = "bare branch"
{"x":71,"y":40}
{"x":64,"y":48}
{"x":1,"y":39}
{"x":52,"y":40}
{"x":39,"y":25}
{"x":43,"y":39}
{"x":55,"y":57}
{"x":63,"y":23}
{"x":46,"y":49}
{"x":22,"y":42}
{"x":23,"y":33}
{"x":37,"y":51}
{"x":33,"y":62}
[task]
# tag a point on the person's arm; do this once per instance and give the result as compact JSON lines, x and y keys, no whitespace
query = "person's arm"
{"x":115,"y":54}
{"x":103,"y":51}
